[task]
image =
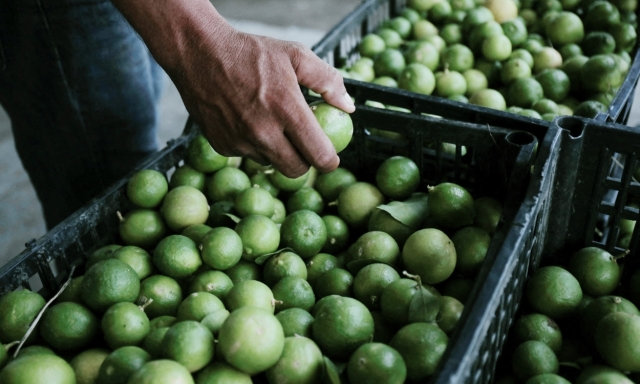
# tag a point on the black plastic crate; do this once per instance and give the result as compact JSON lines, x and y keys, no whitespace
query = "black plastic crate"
{"x":500,"y":161}
{"x":339,"y":47}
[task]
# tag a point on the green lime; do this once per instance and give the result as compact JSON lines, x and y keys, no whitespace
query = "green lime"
{"x":137,"y":258}
{"x":319,"y":264}
{"x":425,"y":53}
{"x":598,"y":43}
{"x":570,"y":50}
{"x":162,"y":372}
{"x":161,"y":296}
{"x":421,"y":345}
{"x":515,"y":30}
{"x":372,"y":247}
{"x":184,"y":206}
{"x":600,"y":15}
{"x":533,"y":358}
{"x":405,"y":301}
{"x":553,"y":291}
{"x":244,"y":270}
{"x":596,"y":270}
{"x":489,"y":98}
{"x":364,"y":70}
{"x":617,"y":340}
{"x":336,"y":281}
{"x":19,"y":309}
{"x":280,"y":212}
{"x":341,"y":325}
{"x":73,"y":291}
{"x":536,"y":326}
{"x":357,"y":202}
{"x":590,"y":109}
{"x":221,"y":372}
{"x":450,"y":205}
{"x":410,"y":14}
{"x":142,"y":227}
{"x":187,"y":176}
{"x":524,"y":92}
{"x":226,"y":183}
{"x":440,"y":12}
{"x":429,"y":253}
{"x":86,"y":365}
{"x":198,"y":305}
{"x":68,"y":326}
{"x":295,"y":321}
{"x":335,"y":123}
{"x":423,"y":29}
{"x":108,"y":282}
{"x":514,"y":69}
{"x":221,"y":248}
{"x":451,"y":33}
{"x":566,"y":28}
{"x":41,"y":368}
{"x":450,"y":312}
{"x":389,"y":62}
{"x":376,"y":362}
{"x":371,"y":45}
{"x":147,"y":188}
{"x":418,"y":78}
{"x":476,"y":16}
{"x":624,"y":35}
{"x":398,"y":176}
{"x":214,"y":320}
{"x":391,"y":38}
{"x":457,"y":57}
{"x":370,"y":282}
{"x":476,"y":80}
{"x":101,"y":253}
{"x":124,"y":324}
{"x":471,"y":244}
{"x":282,"y":265}
{"x":337,"y":234}
{"x":490,"y":69}
{"x":480,"y":32}
{"x":189,"y":343}
{"x":600,"y":74}
{"x":250,"y":293}
{"x":301,"y":362}
{"x":545,"y":107}
{"x":250,"y":167}
{"x":305,"y":198}
{"x":329,"y":185}
{"x":600,"y":373}
{"x":555,"y":84}
{"x":599,"y":308}
{"x":153,"y":342}
{"x":261,"y":180}
{"x":288,"y":184}
{"x":251,"y":340}
{"x":496,"y":47}
{"x":522,"y":54}
{"x":546,"y":58}
{"x":202,"y":157}
{"x":121,"y":364}
{"x":385,"y":81}
{"x":254,"y":201}
{"x":305,"y":232}
{"x":177,"y":256}
{"x":259,"y":235}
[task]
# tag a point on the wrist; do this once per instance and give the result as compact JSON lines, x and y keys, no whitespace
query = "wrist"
{"x":173,"y":29}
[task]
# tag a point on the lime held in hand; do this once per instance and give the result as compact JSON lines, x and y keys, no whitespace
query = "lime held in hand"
{"x":335,"y":123}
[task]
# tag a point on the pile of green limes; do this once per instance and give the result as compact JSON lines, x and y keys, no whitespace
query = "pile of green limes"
{"x":231,"y":272}
{"x":537,"y":58}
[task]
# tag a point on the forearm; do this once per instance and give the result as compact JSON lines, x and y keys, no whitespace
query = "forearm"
{"x":173,"y":28}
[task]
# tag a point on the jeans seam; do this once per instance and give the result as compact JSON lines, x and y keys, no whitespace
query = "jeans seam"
{"x":72,"y":100}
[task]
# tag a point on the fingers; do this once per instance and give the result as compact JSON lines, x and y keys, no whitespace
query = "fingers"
{"x":321,"y":78}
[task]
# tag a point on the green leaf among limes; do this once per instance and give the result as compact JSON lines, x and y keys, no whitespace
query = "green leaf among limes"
{"x":410,"y":212}
{"x":263,"y":259}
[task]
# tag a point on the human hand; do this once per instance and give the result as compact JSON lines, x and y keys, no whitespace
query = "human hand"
{"x":243,"y":91}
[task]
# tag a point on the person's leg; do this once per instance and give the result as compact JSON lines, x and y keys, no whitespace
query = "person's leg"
{"x":81,"y":91}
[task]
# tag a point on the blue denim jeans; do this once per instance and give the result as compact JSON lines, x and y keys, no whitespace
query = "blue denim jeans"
{"x":81,"y":90}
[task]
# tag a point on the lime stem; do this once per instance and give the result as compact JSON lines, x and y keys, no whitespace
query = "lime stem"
{"x":430,"y":188}
{"x":268,"y":171}
{"x":37,"y":319}
{"x":146,"y":304}
{"x":333,"y":203}
{"x":120,"y":216}
{"x":620,"y":256}
{"x":598,"y":232}
{"x":11,"y":344}
{"x":617,"y":300}
{"x":274,"y":302}
{"x":413,"y":277}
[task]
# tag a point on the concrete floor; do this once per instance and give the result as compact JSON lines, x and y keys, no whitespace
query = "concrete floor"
{"x":305,"y":21}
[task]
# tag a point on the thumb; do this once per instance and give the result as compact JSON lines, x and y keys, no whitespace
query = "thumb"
{"x":321,"y":78}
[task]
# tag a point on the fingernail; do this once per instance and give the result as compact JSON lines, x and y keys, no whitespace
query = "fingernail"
{"x":348,"y":98}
